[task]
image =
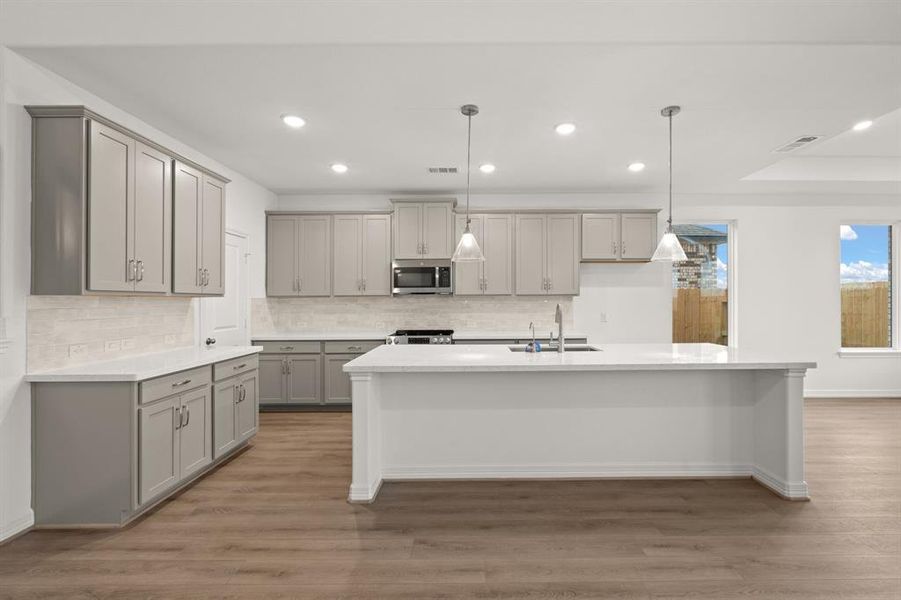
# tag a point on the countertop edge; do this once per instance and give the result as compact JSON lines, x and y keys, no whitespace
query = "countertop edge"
{"x":59,"y":376}
{"x":562,"y":368}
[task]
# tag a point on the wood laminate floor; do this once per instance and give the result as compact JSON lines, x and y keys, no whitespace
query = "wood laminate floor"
{"x":274,"y":524}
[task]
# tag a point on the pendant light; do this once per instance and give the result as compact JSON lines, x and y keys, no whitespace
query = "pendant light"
{"x":468,"y":249}
{"x":669,"y":248}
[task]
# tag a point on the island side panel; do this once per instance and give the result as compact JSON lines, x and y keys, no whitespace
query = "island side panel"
{"x":367,"y":443}
{"x":656,"y":424}
{"x":78,"y":481}
{"x":779,"y":432}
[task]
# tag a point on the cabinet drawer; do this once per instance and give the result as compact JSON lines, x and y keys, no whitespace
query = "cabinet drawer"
{"x":229,"y":368}
{"x":350,"y":347}
{"x":289,"y":347}
{"x":154,"y":389}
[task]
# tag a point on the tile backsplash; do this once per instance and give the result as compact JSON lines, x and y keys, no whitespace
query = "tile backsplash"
{"x":485,"y":313}
{"x":68,"y":330}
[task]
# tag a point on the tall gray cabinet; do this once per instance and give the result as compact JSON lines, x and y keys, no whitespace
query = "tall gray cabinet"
{"x":102,"y":210}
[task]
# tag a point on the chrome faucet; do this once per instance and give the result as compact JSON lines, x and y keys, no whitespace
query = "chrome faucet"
{"x":558,"y":319}
{"x":532,"y":329}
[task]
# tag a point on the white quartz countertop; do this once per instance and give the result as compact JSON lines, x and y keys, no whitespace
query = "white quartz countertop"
{"x":142,"y":366}
{"x":315,"y":336}
{"x":611,"y":357}
{"x":326,"y":336}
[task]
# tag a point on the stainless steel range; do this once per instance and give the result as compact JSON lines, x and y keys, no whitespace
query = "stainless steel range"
{"x":421,"y":336}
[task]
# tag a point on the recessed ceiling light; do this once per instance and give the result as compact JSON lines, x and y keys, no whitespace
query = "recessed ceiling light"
{"x":862,"y":125}
{"x":293,"y":121}
{"x":487,"y":168}
{"x":339,"y":168}
{"x":636,"y":167}
{"x":565,"y":128}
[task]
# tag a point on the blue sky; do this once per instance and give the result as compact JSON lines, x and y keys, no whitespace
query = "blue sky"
{"x":865,"y":253}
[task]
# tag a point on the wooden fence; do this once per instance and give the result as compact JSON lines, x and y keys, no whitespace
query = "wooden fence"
{"x":700,"y":316}
{"x":865,"y":315}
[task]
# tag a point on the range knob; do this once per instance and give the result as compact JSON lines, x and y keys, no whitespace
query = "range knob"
{"x":434,"y":340}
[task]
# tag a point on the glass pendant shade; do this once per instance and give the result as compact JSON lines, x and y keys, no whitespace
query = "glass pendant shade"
{"x":468,"y":249}
{"x":669,"y":248}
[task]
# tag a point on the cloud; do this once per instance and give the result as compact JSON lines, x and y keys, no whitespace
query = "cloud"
{"x":863,"y":271}
{"x":847,"y":233}
{"x":722,"y":270}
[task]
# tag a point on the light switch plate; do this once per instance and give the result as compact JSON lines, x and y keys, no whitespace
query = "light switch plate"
{"x":112,"y":346}
{"x":602,"y":317}
{"x":128,"y":343}
{"x":76,"y":350}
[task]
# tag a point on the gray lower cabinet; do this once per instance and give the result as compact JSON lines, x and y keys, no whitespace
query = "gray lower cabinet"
{"x":235,"y":411}
{"x":303,"y":374}
{"x":135,"y":442}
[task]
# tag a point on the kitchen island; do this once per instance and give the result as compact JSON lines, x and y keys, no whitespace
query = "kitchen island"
{"x":620,"y":411}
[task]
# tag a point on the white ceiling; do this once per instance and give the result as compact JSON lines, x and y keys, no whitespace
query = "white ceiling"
{"x":391,"y":110}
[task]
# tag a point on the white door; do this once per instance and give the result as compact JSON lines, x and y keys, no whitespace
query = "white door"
{"x":224,"y":318}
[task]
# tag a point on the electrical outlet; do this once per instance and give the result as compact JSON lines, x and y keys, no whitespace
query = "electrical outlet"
{"x":170,"y":339}
{"x":602,"y":317}
{"x":112,"y":346}
{"x":128,"y":344}
{"x":76,"y":350}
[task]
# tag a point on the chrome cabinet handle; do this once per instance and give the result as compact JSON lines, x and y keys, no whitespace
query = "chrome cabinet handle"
{"x":181,"y":383}
{"x":241,"y":366}
{"x":287,"y":347}
{"x":177,"y":415}
{"x":364,"y":285}
{"x":188,"y":416}
{"x":130,"y":270}
{"x":243,"y":393}
{"x":288,"y":365}
{"x":355,"y":348}
{"x":550,"y":284}
{"x":284,"y":366}
{"x":140,"y":270}
{"x":622,"y":246}
{"x":299,"y":284}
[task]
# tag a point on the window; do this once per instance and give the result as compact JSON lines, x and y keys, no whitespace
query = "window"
{"x":866,"y":286}
{"x":700,"y":285}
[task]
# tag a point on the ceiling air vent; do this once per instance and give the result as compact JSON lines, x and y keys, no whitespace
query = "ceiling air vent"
{"x":801,"y":142}
{"x":443,"y":170}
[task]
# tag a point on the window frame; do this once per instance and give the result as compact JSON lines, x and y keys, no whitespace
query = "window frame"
{"x":894,"y":350}
{"x":731,"y":272}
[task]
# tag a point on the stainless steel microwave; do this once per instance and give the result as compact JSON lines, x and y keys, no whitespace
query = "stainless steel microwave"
{"x":422,"y":277}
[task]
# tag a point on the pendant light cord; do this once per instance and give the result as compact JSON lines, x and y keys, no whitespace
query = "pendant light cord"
{"x":669,"y":221}
{"x":468,"y":163}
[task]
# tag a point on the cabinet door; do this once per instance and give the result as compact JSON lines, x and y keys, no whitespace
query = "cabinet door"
{"x":337,"y":382}
{"x":437,"y":228}
{"x":153,"y":219}
{"x":247,"y":408}
{"x":186,"y":244}
{"x":314,"y":256}
{"x":639,"y":238}
{"x":600,"y":237}
{"x":376,"y":260}
{"x":196,"y":439}
{"x":407,"y":230}
{"x":212,"y":235}
{"x":497,"y":271}
{"x":468,"y":275}
{"x":110,"y":210}
{"x":158,"y":448}
{"x":530,"y":254}
{"x":281,"y":256}
{"x":272,"y":379}
{"x":303,"y":379}
{"x":563,"y":254}
{"x":346,"y":252}
{"x":225,"y":427}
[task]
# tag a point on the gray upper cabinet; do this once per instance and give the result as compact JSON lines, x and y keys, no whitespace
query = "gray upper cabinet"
{"x":547,"y":254}
{"x":361,"y":255}
{"x":616,"y":236}
{"x":103,"y":213}
{"x":198,"y":232}
{"x":494,"y":276}
{"x":298,"y":255}
{"x":423,"y":229}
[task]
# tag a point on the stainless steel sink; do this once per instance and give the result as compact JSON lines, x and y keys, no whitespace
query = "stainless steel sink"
{"x":567,"y":348}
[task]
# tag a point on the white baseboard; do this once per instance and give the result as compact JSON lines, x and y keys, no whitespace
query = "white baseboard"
{"x":573,"y":471}
{"x":790,"y":491}
{"x":17,"y":526}
{"x":364,"y":493}
{"x":844,"y":394}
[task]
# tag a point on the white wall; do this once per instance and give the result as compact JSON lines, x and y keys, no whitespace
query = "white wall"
{"x":21,"y":83}
{"x":788,"y":290}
